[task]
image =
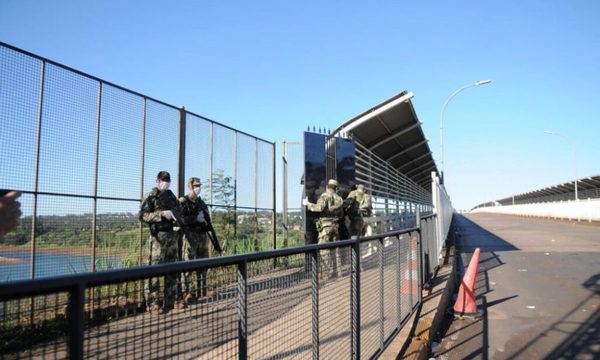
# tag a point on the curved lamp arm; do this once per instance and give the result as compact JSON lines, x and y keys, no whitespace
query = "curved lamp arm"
{"x":477,"y":83}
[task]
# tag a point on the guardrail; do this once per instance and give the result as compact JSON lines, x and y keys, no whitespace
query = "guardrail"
{"x":588,"y":189}
{"x":582,"y":210}
{"x":345,"y":299}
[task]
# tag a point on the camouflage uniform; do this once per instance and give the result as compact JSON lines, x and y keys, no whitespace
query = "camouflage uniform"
{"x":163,"y":248}
{"x":194,"y":244}
{"x":331,"y":211}
{"x":360,"y":209}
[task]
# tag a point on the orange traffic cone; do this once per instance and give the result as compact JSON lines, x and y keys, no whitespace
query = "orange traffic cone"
{"x":465,"y":303}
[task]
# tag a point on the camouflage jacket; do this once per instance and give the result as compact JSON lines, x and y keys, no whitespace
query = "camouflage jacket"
{"x":152,"y":206}
{"x":364,"y":206}
{"x":190,"y":208}
{"x":329,"y":205}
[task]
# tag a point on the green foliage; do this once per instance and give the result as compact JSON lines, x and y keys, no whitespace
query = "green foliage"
{"x":118,"y":239}
{"x":223,"y":217}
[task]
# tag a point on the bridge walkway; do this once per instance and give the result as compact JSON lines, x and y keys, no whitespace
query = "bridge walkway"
{"x":538,"y":285}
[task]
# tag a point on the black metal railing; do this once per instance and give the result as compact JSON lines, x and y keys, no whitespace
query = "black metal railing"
{"x":345,"y":299}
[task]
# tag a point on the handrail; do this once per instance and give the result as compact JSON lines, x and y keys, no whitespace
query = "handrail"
{"x":23,"y":288}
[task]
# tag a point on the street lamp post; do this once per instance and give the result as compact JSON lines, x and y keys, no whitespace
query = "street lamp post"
{"x":572,"y":144}
{"x":477,"y":83}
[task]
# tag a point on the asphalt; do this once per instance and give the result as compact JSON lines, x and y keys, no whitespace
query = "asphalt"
{"x":538,"y":287}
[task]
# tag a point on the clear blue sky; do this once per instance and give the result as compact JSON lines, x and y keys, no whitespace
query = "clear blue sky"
{"x":270,"y":68}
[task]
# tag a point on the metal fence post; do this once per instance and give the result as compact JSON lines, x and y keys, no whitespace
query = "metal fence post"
{"x":181,"y":150}
{"x":76,"y":306}
{"x":355,"y":299}
{"x":314,"y":272}
{"x":381,"y":294}
{"x":419,"y":254}
{"x":95,"y":186}
{"x":256,"y":246}
{"x":399,"y":281}
{"x":274,"y":215}
{"x":285,"y":194}
{"x":143,"y":163}
{"x":425,"y":253}
{"x":36,"y":173}
{"x":242,"y":289}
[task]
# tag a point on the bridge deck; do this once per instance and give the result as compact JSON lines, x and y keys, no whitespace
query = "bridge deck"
{"x":538,"y":284}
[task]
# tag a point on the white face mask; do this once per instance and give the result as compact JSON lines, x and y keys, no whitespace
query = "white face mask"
{"x":163,"y":185}
{"x":197,"y":191}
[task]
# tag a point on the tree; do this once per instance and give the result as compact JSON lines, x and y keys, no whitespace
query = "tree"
{"x":222,"y":188}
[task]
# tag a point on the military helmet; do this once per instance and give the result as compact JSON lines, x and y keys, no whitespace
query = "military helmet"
{"x":164,"y":176}
{"x":194,"y":181}
{"x":332,"y":182}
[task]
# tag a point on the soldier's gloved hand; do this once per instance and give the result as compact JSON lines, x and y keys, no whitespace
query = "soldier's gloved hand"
{"x":305,"y":201}
{"x":200,"y":218}
{"x":167,"y":214}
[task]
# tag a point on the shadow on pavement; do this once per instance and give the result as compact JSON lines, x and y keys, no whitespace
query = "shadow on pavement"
{"x":471,"y":236}
{"x":583,"y":342}
{"x":469,"y":338}
{"x":471,"y":335}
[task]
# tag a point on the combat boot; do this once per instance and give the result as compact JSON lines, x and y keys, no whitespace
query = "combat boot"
{"x":189,"y":298}
{"x":155,"y":309}
{"x":179,"y":305}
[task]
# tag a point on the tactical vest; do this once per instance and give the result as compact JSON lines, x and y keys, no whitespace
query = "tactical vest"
{"x":190,"y":210}
{"x":152,"y":203}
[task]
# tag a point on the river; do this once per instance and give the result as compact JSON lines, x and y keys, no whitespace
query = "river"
{"x":49,"y":264}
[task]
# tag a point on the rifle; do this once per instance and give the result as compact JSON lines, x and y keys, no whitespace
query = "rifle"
{"x":210,"y":230}
{"x":212,"y":235}
{"x":171,"y":203}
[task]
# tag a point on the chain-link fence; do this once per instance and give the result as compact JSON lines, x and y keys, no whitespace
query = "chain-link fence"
{"x":84,"y":151}
{"x":318,"y":301}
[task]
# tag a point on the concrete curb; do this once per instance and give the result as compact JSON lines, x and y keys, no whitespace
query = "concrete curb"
{"x":432,"y":311}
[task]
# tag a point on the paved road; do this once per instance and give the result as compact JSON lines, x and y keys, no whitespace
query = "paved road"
{"x":539,"y":286}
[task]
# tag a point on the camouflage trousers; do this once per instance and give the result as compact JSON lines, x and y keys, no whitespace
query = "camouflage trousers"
{"x":357,"y":226}
{"x":331,"y":259}
{"x":163,"y":249}
{"x":194,"y":247}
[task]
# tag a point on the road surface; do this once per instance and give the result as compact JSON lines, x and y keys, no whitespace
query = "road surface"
{"x":538,"y":285}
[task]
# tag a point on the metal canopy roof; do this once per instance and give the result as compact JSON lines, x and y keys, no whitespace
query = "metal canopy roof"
{"x":588,"y":183}
{"x":392,"y":131}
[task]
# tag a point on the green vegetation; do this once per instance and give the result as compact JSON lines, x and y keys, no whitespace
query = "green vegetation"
{"x":121,"y":240}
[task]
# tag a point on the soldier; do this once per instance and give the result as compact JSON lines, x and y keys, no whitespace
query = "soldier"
{"x":162,"y":243}
{"x":195,"y":240}
{"x":329,"y":207}
{"x":360,"y":209}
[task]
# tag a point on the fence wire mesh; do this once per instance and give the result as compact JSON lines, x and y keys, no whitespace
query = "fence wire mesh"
{"x":289,"y":303}
{"x":35,"y":327}
{"x":84,"y":152}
